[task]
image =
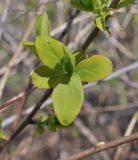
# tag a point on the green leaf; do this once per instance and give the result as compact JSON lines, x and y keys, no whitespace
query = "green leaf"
{"x":49,"y":50}
{"x":44,"y":77}
{"x":71,"y":58}
{"x":87,"y":5}
{"x":53,"y":123}
{"x":43,"y":25}
{"x":99,"y":23}
{"x":79,"y":56}
{"x":43,"y":119}
{"x":124,"y":3}
{"x":94,"y":68}
{"x":67,"y":65}
{"x":29,"y":44}
{"x":40,"y":129}
{"x":67,"y":100}
{"x":101,"y":17}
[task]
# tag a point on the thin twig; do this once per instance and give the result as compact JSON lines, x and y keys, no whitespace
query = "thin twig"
{"x":15,"y":99}
{"x":112,"y":144}
{"x":119,"y":107}
{"x":90,"y":136}
{"x":22,"y":103}
{"x":129,"y":130}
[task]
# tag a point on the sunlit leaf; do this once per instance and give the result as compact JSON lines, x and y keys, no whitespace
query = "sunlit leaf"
{"x":49,"y":50}
{"x":43,"y":25}
{"x":99,"y":23}
{"x":94,"y":68}
{"x":30,"y":45}
{"x":44,"y":77}
{"x":67,"y":100}
{"x":87,"y":5}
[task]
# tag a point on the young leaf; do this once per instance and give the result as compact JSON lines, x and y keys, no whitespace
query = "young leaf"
{"x":44,"y":77}
{"x":67,"y":100}
{"x":124,"y":3}
{"x":49,"y":50}
{"x":29,"y":44}
{"x":99,"y":23}
{"x":43,"y":119}
{"x":87,"y":5}
{"x":40,"y":129}
{"x":94,"y":68}
{"x":43,"y":25}
{"x":53,"y":123}
{"x":70,"y":56}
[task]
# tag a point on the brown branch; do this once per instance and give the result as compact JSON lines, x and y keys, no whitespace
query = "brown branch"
{"x":112,"y":144}
{"x":22,"y":104}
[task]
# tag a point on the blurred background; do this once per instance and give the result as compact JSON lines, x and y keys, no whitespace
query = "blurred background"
{"x":110,"y":109}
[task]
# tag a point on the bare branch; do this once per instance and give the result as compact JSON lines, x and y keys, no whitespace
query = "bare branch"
{"x":112,"y":144}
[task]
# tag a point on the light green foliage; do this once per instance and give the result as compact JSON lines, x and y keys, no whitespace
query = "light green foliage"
{"x":68,"y":99}
{"x":64,"y":71}
{"x":43,"y":25}
{"x":59,"y":64}
{"x":99,"y":22}
{"x":29,"y":44}
{"x":49,"y":50}
{"x":42,"y":28}
{"x":44,"y":77}
{"x":94,"y":68}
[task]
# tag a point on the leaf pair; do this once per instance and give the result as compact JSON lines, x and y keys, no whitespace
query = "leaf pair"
{"x":61,"y":71}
